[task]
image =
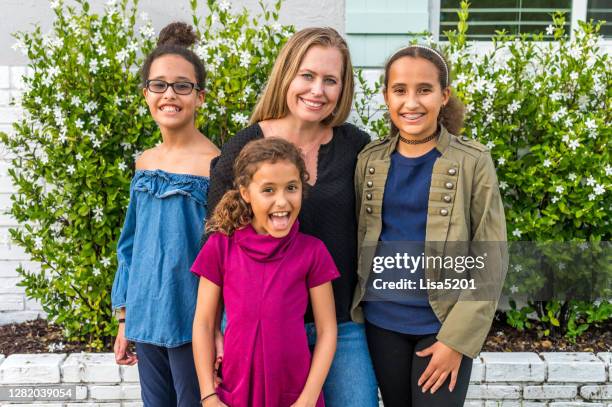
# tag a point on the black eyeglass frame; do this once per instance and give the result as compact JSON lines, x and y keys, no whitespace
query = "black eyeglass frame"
{"x":171,"y":84}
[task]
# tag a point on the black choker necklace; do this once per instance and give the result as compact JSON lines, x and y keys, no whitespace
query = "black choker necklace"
{"x":421,"y":141}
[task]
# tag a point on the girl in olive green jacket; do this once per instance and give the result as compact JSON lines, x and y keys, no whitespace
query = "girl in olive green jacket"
{"x":424,"y":184}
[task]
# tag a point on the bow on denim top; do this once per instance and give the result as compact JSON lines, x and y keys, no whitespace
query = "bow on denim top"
{"x":158,"y":244}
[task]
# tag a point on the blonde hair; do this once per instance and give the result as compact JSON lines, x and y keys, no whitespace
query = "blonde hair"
{"x":272,"y":104}
{"x":233,"y":212}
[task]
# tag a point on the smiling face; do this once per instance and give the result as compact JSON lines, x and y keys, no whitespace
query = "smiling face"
{"x":275,"y":196}
{"x":314,"y":92}
{"x":170,"y":110}
{"x":414,"y":96}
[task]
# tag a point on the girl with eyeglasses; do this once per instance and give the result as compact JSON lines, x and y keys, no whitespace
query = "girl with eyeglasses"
{"x":154,"y":292}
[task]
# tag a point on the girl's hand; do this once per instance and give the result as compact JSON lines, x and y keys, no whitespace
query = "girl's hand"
{"x":444,"y":361}
{"x":214,"y":402}
{"x":122,"y":355}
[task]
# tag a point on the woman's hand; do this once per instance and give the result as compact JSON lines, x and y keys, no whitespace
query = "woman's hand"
{"x":444,"y":362}
{"x":218,"y":356}
{"x":122,"y":355}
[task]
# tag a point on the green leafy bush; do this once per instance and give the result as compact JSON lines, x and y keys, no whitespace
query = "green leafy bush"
{"x":239,"y":52}
{"x":85,"y":121}
{"x":543,"y":109}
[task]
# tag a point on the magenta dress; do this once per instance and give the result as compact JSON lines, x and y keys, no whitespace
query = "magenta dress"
{"x":265,"y":282}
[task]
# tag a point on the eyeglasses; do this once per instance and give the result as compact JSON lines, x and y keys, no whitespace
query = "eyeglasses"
{"x":180,"y":88}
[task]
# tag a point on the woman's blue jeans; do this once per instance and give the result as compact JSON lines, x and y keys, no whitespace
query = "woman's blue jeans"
{"x":351,"y":380}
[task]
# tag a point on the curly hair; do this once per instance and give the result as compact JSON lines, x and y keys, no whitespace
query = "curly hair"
{"x":451,"y":115}
{"x":233,"y":212}
{"x":175,"y":39}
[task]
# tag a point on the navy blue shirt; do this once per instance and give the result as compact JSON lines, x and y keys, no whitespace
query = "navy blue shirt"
{"x":404,"y":219}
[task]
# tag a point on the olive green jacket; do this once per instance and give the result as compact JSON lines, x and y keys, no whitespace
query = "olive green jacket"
{"x":464,"y":206}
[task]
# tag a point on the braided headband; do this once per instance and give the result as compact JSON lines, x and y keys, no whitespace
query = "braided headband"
{"x":435,"y":52}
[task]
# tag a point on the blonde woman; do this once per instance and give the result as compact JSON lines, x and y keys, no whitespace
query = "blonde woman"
{"x":307,"y":101}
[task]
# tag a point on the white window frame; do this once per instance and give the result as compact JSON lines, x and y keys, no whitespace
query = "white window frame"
{"x":579,"y":13}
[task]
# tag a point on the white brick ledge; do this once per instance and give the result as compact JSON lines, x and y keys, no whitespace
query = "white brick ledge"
{"x":498,"y":379}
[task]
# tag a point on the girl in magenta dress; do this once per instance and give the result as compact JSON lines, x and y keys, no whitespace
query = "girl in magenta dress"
{"x":264,"y":270}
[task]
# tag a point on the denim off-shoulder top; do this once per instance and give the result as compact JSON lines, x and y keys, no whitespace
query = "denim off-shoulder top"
{"x":158,"y":244}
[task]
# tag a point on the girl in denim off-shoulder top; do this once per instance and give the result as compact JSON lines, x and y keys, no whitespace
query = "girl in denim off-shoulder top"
{"x":154,"y":292}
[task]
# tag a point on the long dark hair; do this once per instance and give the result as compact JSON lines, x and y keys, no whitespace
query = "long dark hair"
{"x":175,"y":39}
{"x":451,"y":115}
{"x":233,"y":212}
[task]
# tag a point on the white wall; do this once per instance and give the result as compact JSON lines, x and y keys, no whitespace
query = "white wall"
{"x":21,"y":15}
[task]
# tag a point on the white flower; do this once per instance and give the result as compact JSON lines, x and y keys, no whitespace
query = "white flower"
{"x":505,"y":78}
{"x":126,"y":145}
{"x":122,"y":166}
{"x":490,"y":144}
{"x":98,"y":213}
{"x":245,"y":58}
{"x":568,"y":122}
{"x":574,"y":144}
{"x":38,"y":242}
{"x":565,"y":138}
{"x":79,"y":123}
{"x":96,"y":143}
{"x":51,"y":347}
{"x":122,"y":55}
{"x":575,"y":52}
{"x":537,"y":86}
{"x":101,"y":50}
{"x":105,"y":262}
{"x":93,"y":66}
{"x":599,"y":189}
{"x":608,"y":170}
{"x":559,"y":189}
{"x":96,"y":271}
{"x":147,"y":31}
{"x":516,"y":232}
{"x":54,"y":4}
{"x":79,"y":157}
{"x":556,"y":96}
{"x":240,"y":118}
{"x":95,"y":120}
{"x":559,"y":114}
{"x":590,"y":124}
{"x":574,"y":76}
{"x":142,"y":110}
{"x":591,"y":197}
{"x":572,"y":176}
{"x":75,"y":101}
{"x":547,"y":163}
{"x":583,"y":102}
{"x":224,"y":5}
{"x":590,"y":181}
{"x":105,"y":62}
{"x":550,"y":30}
{"x":514,"y":106}
{"x":70,"y":170}
{"x":501,"y":160}
{"x":38,"y":100}
{"x":90,"y":106}
{"x":143,"y":16}
{"x":514,"y":289}
{"x":503,"y":185}
{"x":80,"y":59}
